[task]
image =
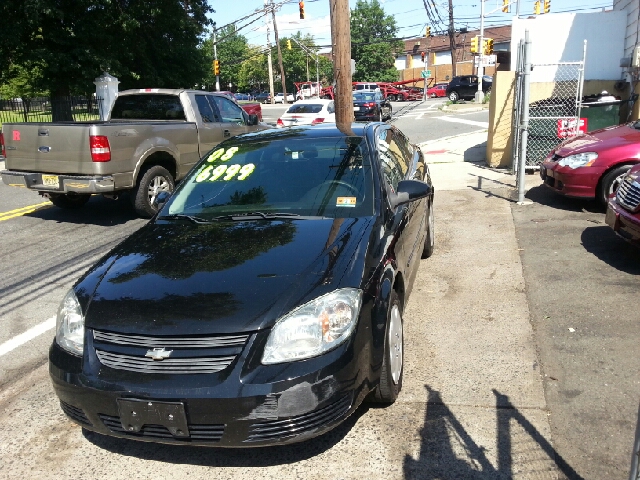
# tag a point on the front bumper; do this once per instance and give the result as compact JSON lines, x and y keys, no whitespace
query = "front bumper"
{"x":241,"y":406}
{"x":579,"y":182}
{"x":59,"y":183}
{"x":623,"y":222}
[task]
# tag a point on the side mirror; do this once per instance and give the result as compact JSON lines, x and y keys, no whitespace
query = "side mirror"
{"x":253,"y":120}
{"x":161,"y":199}
{"x":409,"y":191}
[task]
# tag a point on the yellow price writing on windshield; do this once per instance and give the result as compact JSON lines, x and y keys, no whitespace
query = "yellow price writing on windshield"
{"x":222,"y":155}
{"x":212,"y":174}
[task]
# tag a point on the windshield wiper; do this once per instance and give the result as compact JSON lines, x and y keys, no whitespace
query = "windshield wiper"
{"x":193,"y":218}
{"x":260,"y":215}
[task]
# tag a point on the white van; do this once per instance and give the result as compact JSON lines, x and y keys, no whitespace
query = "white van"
{"x":369,"y":87}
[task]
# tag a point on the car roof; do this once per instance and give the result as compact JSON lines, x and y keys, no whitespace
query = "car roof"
{"x":316,"y":101}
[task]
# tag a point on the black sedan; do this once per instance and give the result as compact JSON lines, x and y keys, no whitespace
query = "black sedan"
{"x":263,"y":303}
{"x":371,"y":106}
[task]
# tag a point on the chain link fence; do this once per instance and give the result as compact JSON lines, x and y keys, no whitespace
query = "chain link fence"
{"x":40,"y":109}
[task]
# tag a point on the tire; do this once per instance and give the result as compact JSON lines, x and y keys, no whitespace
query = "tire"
{"x":380,"y":117}
{"x":69,"y":200}
{"x":610,"y":182}
{"x":429,"y":241}
{"x":392,"y":368}
{"x":392,"y":98}
{"x":453,"y":96}
{"x":153,"y":180}
{"x":390,"y":113}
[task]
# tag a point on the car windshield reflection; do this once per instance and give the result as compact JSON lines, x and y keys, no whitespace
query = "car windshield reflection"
{"x":322,"y":177}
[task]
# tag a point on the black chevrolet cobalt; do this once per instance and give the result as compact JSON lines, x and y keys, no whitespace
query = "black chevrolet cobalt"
{"x":263,"y":303}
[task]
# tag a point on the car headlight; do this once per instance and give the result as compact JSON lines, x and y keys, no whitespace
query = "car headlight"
{"x":70,"y":324}
{"x":314,"y":328}
{"x":585,"y":159}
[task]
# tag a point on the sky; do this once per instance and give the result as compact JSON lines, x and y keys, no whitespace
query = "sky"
{"x":410,"y":16}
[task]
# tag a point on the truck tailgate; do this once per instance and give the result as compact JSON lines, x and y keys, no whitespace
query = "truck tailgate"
{"x":48,"y":147}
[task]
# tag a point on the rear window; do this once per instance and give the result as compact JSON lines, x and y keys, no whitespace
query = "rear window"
{"x":147,"y":107}
{"x":304,"y":108}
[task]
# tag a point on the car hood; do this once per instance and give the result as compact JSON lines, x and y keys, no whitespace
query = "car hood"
{"x":620,"y":136}
{"x":178,"y":278}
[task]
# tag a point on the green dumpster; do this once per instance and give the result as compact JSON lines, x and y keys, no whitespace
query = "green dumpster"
{"x":601,"y":114}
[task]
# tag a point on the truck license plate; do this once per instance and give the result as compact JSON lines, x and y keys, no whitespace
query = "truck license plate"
{"x":50,"y":181}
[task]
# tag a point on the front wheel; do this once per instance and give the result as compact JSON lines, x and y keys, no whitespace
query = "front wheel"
{"x":380,"y":117}
{"x":153,"y":180}
{"x":454,"y":97}
{"x":68,"y":200}
{"x":611,"y":182}
{"x":393,"y":361}
{"x":390,"y":113}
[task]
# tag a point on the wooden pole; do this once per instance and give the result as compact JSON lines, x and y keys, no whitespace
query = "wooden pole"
{"x":452,"y":40}
{"x":275,"y":31}
{"x":341,"y":46}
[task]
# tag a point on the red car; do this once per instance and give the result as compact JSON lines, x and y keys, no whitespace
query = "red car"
{"x":438,"y":90}
{"x":623,"y":210}
{"x":592,"y":165}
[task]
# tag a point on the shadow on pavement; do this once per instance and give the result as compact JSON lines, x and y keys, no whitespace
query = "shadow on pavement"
{"x":97,"y":211}
{"x":227,"y":457}
{"x":448,"y":451}
{"x":544,"y":196}
{"x":602,"y":242}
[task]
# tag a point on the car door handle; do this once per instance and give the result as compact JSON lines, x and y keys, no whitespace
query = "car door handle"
{"x":227,"y":133}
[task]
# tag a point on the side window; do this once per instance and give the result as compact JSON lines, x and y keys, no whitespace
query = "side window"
{"x":206,"y":112}
{"x":391,"y":159}
{"x":229,"y":111}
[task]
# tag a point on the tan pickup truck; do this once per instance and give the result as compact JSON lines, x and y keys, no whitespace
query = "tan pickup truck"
{"x":150,"y":141}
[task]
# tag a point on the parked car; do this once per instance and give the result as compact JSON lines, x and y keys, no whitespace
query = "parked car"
{"x":263,"y":303}
{"x":371,"y":106}
{"x":592,"y":165}
{"x":466,"y":86}
{"x":242,"y":96}
{"x":366,"y":86}
{"x":438,"y":90}
{"x":308,"y":112}
{"x":263,"y":97}
{"x":279,"y":97}
{"x":623,"y":210}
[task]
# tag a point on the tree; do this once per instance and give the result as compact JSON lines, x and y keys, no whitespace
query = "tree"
{"x":253,"y":74}
{"x":233,"y":49}
{"x":373,"y":43}
{"x":142,"y":42}
{"x":295,"y":62}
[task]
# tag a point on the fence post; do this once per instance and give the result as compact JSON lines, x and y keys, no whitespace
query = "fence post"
{"x":525,"y":116}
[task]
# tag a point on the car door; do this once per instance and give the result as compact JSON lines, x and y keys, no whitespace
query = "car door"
{"x":232,"y":118}
{"x":210,"y":130}
{"x":472,"y":86}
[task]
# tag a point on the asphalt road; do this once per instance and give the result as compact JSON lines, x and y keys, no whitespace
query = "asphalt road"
{"x":496,"y":383}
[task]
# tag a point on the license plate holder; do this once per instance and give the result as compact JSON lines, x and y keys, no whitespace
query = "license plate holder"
{"x":51,"y":181}
{"x":135,"y":414}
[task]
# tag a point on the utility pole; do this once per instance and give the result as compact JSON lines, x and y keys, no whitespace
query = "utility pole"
{"x":215,"y":55}
{"x":452,"y":40}
{"x":269,"y":61}
{"x":275,"y":31}
{"x":341,"y":46}
{"x":479,"y":95}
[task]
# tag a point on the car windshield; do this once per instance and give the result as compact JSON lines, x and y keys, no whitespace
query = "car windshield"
{"x":326,"y":177}
{"x":304,"y":108}
{"x":368,"y":97}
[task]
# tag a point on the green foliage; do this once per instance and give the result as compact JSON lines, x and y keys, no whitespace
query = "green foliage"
{"x":253,"y":74}
{"x":295,"y":62}
{"x":150,"y":43}
{"x":232,"y":51}
{"x":373,"y":42}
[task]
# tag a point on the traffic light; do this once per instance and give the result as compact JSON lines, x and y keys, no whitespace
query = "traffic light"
{"x":428,"y":32}
{"x":505,"y":6}
{"x":288,"y":44}
{"x":474,"y":44}
{"x":422,"y":57}
{"x":488,"y":46}
{"x":216,"y":67}
{"x":301,"y":6}
{"x":536,"y":7}
{"x":547,"y":6}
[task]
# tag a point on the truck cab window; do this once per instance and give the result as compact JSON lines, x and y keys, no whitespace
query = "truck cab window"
{"x":229,"y":111}
{"x":205,"y":109}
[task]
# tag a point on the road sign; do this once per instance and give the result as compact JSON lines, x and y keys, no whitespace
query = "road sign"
{"x":425,"y":73}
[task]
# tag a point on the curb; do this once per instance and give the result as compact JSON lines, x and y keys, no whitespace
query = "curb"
{"x":444,"y":139}
{"x":465,"y":110}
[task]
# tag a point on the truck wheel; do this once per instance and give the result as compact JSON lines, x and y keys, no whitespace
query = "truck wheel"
{"x":68,"y":200}
{"x":153,"y":180}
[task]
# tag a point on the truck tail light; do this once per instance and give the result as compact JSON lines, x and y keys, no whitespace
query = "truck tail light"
{"x":317,"y":121}
{"x":100,"y":150}
{"x":2,"y":150}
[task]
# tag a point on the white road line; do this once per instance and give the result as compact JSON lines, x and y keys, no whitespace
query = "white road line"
{"x":30,"y":334}
{"x":462,"y":120}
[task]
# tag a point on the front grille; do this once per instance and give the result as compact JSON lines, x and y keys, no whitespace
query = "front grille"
{"x":300,"y":424}
{"x":75,"y":413}
{"x":628,"y":194}
{"x":168,"y":365}
{"x":200,"y":433}
{"x":184,"y":355}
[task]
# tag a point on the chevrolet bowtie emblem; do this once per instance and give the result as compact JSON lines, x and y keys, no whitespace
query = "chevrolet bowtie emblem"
{"x":158,"y":353}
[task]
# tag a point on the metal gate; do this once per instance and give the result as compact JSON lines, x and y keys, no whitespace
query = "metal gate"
{"x":548,"y":121}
